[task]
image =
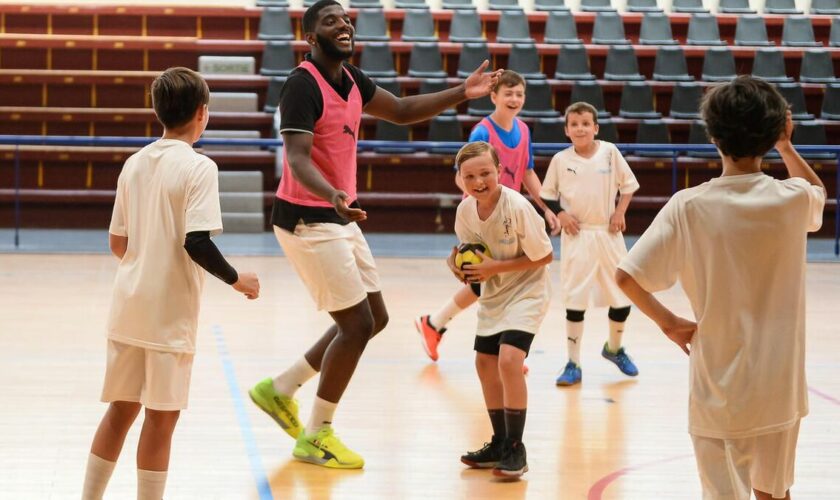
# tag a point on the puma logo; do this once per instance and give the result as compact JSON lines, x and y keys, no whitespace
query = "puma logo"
{"x":571,"y":170}
{"x":509,"y":171}
{"x":573,"y":339}
{"x":348,"y":130}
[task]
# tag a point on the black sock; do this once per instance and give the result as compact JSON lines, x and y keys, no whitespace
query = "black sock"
{"x":497,"y":419}
{"x":515,"y":423}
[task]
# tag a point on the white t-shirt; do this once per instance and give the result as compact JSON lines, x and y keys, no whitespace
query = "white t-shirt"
{"x":514,"y":300}
{"x":737,"y":246}
{"x":587,"y":187}
{"x":164,"y":191}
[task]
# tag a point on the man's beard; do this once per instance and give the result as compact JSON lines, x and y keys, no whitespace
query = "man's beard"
{"x":329,"y":48}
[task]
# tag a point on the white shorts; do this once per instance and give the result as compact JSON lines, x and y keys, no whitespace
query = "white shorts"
{"x":334,"y":262}
{"x":588,"y":262}
{"x":159,"y":380}
{"x":732,"y":468}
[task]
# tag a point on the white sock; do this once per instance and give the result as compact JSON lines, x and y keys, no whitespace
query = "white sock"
{"x":288,"y":382}
{"x":150,"y":484}
{"x":574,"y":336}
{"x":98,"y":473}
{"x":441,"y":318}
{"x":322,"y":415}
{"x":616,"y":331}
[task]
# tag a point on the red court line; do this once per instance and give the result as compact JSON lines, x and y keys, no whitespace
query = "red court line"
{"x":597,"y":489}
{"x":825,"y":396}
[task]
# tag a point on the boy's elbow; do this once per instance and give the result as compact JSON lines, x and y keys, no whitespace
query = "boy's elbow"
{"x":623,"y":279}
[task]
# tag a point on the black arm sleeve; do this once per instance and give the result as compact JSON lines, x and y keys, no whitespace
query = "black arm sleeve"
{"x":367,"y":87}
{"x":205,"y":253}
{"x":553,"y":205}
{"x":300,"y":103}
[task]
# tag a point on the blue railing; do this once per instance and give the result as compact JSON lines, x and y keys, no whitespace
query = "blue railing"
{"x":674,"y":149}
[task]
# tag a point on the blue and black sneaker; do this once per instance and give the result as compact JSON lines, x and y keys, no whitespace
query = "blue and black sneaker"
{"x":571,"y":375}
{"x":621,"y":360}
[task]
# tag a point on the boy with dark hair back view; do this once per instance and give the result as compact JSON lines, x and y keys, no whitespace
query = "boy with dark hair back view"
{"x":166,"y":209}
{"x":737,"y":245}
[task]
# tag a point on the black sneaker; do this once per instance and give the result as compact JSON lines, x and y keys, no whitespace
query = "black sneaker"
{"x":513,"y":463}
{"x":487,"y":457}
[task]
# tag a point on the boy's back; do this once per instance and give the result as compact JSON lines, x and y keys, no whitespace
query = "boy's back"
{"x":737,"y":244}
{"x":164,"y":191}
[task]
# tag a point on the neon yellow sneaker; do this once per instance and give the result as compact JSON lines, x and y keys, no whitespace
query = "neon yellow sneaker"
{"x":325,"y":449}
{"x":283,"y":409}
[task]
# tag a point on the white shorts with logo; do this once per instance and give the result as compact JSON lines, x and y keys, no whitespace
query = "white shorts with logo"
{"x":588,"y":262}
{"x":732,"y":468}
{"x":334,"y":262}
{"x":159,"y":380}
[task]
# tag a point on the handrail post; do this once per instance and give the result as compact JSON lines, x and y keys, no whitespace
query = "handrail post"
{"x":17,"y":196}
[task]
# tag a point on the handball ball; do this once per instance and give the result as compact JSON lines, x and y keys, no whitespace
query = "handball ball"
{"x":467,"y":254}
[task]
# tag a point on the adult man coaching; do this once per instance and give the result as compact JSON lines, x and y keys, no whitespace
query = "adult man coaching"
{"x":315,"y":214}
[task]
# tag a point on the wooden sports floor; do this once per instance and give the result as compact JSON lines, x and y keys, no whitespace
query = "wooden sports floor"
{"x":610,"y":438}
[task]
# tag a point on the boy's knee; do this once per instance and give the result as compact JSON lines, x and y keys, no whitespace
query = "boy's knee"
{"x":484,"y":362}
{"x":619,"y":315}
{"x":574,"y":315}
{"x":124,"y":411}
{"x":380,"y":322}
{"x":510,"y":362}
{"x":162,"y":419}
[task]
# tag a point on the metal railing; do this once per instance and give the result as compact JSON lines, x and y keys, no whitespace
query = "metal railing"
{"x":675,"y":151}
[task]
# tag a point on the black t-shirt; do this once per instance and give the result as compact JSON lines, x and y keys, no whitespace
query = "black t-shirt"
{"x":301,"y":105}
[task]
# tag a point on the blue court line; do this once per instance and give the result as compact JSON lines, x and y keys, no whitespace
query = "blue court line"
{"x":257,"y":469}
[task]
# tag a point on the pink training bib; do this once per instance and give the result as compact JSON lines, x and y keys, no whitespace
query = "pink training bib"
{"x":333,"y":145}
{"x":514,"y":161}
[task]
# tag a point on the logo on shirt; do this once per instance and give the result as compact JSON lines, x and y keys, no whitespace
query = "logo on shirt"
{"x":507,"y":224}
{"x":571,"y":170}
{"x":348,"y":130}
{"x":509,"y":171}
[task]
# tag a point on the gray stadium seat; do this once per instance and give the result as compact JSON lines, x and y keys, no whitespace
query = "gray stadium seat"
{"x":637,"y":101}
{"x":656,"y":30}
{"x":418,"y":26}
{"x":503,"y":5}
{"x":798,"y":31}
{"x":513,"y":27}
{"x":471,"y":56}
{"x":377,"y":60}
{"x":371,"y":26}
{"x":540,"y":101}
{"x":549,"y":131}
{"x":458,"y":5}
{"x":480,"y":107}
{"x":608,"y":29}
{"x":703,"y":30}
{"x":272,"y":95}
{"x":573,"y":64}
{"x":365,"y":4}
{"x":735,"y":7}
{"x":643,"y":6}
{"x":430,"y":85}
{"x":834,"y":33}
{"x":718,"y":65}
{"x":828,"y":7}
{"x":781,"y":7}
{"x":465,"y":27}
{"x":653,"y":132}
{"x":425,"y":61}
{"x":670,"y":64}
{"x":445,"y":129}
{"x":411,"y":4}
{"x":560,"y":28}
{"x":596,"y":6}
{"x":590,"y":91}
{"x":688,"y":7}
{"x":525,"y":60}
{"x":769,"y":64}
{"x":697,"y":135}
{"x":387,"y":131}
{"x":751,"y":30}
{"x":794,"y":95}
{"x":811,"y":133}
{"x":550,"y":5}
{"x":817,"y":67}
{"x":685,"y":101}
{"x":278,"y":58}
{"x":275,"y":25}
{"x":607,"y":131}
{"x":622,"y":64}
{"x":831,"y":102}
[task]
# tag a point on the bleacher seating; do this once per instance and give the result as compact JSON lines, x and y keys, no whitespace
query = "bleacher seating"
{"x":66,"y":71}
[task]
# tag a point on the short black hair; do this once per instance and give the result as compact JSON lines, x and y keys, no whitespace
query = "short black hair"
{"x":311,"y":14}
{"x":176,"y":96}
{"x":744,"y":117}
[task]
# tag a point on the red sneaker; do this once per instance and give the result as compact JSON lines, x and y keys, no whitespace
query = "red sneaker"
{"x":429,"y":336}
